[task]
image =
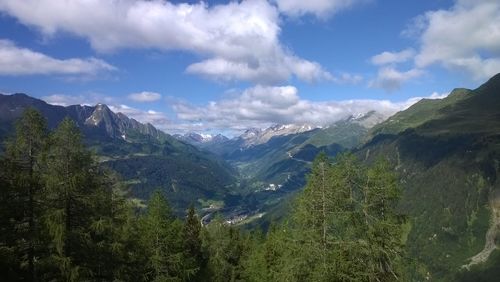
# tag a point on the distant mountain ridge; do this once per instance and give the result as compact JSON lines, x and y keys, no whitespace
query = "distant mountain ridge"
{"x":146,"y":158}
{"x":273,"y":162}
{"x":201,"y":140}
{"x":253,"y":137}
{"x":98,"y":120}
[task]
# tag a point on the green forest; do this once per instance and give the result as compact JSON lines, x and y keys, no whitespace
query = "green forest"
{"x":64,"y":218}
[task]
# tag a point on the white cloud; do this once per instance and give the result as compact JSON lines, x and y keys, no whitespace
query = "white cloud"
{"x":157,"y":119}
{"x":391,"y":79}
{"x":15,"y":60}
{"x":347,"y":78}
{"x":262,"y":106}
{"x":145,"y":96}
{"x":465,"y":37}
{"x":237,"y":41}
{"x":88,"y":99}
{"x":385,"y":58}
{"x":319,"y":8}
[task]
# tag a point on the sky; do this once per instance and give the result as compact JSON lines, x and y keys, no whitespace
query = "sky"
{"x":225,"y":66}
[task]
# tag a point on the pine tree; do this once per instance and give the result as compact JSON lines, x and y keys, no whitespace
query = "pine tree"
{"x":11,"y":214}
{"x":346,"y":227}
{"x":192,"y":244}
{"x":225,"y":250}
{"x":313,"y":218}
{"x":71,"y":182}
{"x":24,"y":159}
{"x":383,"y":223}
{"x":161,"y":236}
{"x":111,"y":244}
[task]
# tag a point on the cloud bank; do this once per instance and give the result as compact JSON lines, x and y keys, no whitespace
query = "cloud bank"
{"x":16,"y":61}
{"x":262,"y":106}
{"x":255,"y":107}
{"x":144,"y":97}
{"x":319,"y":8}
{"x":236,"y":41}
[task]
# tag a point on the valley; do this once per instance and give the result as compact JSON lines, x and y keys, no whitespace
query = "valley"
{"x":445,"y":155}
{"x":249,"y":141}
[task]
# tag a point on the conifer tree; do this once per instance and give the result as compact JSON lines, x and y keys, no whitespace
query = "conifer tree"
{"x":24,"y":159}
{"x":383,"y":223}
{"x":10,"y":215}
{"x":346,"y":227}
{"x":71,"y":183}
{"x":192,"y":244}
{"x":225,"y":250}
{"x":162,"y":241}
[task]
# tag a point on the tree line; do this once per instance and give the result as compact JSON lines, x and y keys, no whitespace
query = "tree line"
{"x":65,"y":218}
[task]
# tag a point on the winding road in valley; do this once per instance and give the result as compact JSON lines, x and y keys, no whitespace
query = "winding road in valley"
{"x":290,"y":156}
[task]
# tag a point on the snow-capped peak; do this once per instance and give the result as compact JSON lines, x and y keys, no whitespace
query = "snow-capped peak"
{"x":256,"y":136}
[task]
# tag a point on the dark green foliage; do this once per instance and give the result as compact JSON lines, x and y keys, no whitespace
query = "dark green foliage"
{"x":183,"y":178}
{"x":345,"y":227}
{"x":224,"y":248}
{"x":192,"y":246}
{"x":446,"y":153}
{"x":63,"y":218}
{"x":144,"y":156}
{"x":22,"y":194}
{"x":161,"y":239}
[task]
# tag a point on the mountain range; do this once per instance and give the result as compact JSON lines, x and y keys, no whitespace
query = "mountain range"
{"x":445,"y":151}
{"x":146,"y":158}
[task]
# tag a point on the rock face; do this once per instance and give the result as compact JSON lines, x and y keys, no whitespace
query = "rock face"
{"x":119,"y":125}
{"x":98,"y":121}
{"x":254,"y":136}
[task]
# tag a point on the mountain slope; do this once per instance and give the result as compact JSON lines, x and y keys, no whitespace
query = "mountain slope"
{"x":145,"y":157}
{"x":273,"y":163}
{"x":447,"y":153}
{"x":420,"y":113}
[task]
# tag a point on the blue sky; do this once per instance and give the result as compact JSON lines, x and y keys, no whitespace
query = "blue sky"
{"x":223,"y":66}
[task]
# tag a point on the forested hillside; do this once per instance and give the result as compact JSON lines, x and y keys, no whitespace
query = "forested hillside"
{"x":64,"y":218}
{"x":418,"y":201}
{"x":447,"y":153}
{"x":144,"y":157}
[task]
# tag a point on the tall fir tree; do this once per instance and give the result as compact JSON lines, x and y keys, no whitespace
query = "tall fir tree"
{"x":383,"y":223}
{"x":346,"y":226}
{"x":71,"y":183}
{"x":192,"y":244}
{"x":24,"y":160}
{"x":161,"y":236}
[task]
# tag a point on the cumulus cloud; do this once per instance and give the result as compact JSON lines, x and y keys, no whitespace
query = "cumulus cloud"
{"x":237,"y":40}
{"x":391,"y":79}
{"x":319,"y":8}
{"x":158,"y":119}
{"x":259,"y":106}
{"x":145,"y":96}
{"x":385,"y":58}
{"x":16,"y":60}
{"x":262,"y":106}
{"x":348,"y":78}
{"x":465,"y":37}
